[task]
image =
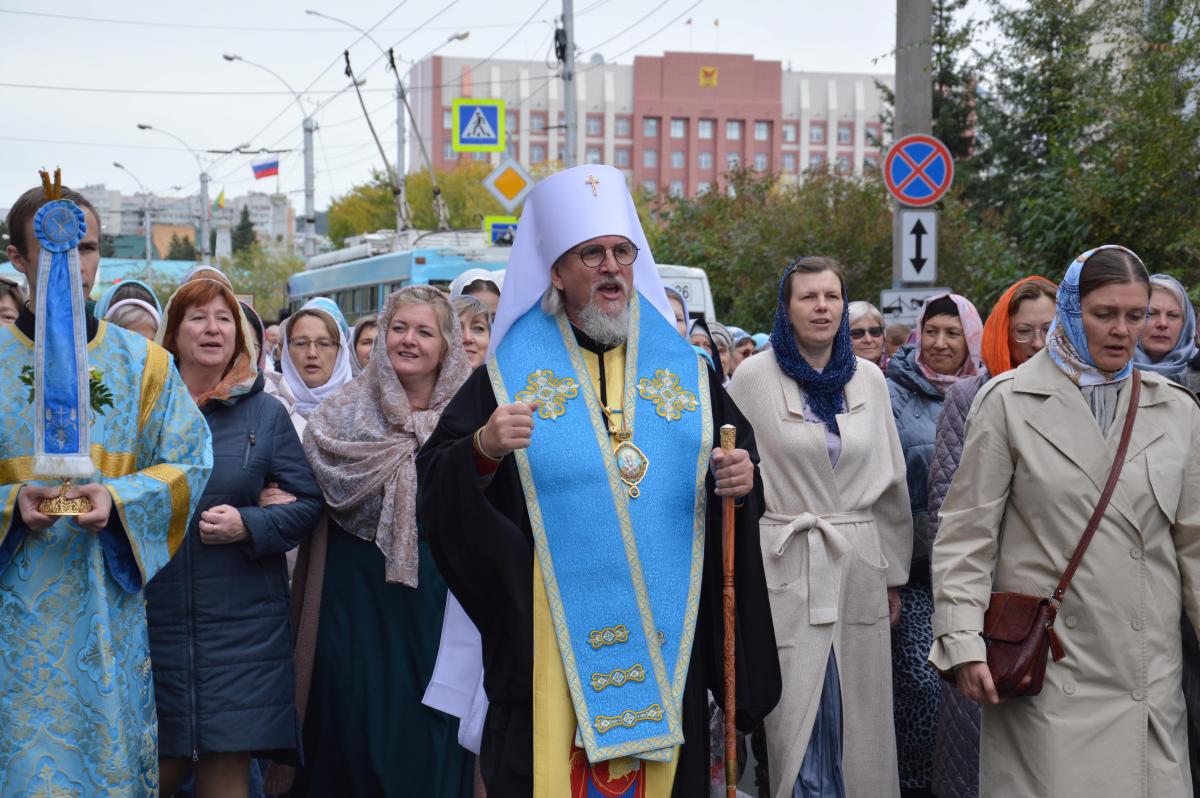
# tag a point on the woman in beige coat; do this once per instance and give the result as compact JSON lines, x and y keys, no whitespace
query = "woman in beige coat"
{"x":1109,"y":720}
{"x":836,"y":539}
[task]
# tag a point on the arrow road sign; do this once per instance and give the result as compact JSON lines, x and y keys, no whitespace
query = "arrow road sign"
{"x":918,"y":170}
{"x":478,"y":125}
{"x":918,"y":260}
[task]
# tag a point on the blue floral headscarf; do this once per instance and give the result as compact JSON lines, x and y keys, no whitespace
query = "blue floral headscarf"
{"x":823,"y":389}
{"x":1174,"y":363}
{"x":1067,"y":344}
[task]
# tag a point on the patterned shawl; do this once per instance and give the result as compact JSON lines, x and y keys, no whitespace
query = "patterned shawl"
{"x":1068,"y":344}
{"x":362,"y":443}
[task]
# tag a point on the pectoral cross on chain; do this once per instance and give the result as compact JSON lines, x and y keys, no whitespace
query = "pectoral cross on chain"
{"x":593,"y":182}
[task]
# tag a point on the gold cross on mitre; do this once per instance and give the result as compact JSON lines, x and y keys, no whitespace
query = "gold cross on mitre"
{"x":593,"y":182}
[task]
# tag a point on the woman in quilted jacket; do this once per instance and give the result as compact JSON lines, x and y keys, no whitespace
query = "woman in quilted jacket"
{"x":1015,"y":331}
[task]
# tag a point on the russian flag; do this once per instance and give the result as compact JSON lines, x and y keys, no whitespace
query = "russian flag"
{"x":267,"y":168}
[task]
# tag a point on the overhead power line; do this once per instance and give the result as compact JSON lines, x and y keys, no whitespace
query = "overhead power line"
{"x":625,"y":30}
{"x":245,"y":28}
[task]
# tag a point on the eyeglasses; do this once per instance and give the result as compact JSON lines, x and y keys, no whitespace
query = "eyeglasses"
{"x":1024,"y":335}
{"x":302,"y":344}
{"x":858,"y":333}
{"x":592,"y":256}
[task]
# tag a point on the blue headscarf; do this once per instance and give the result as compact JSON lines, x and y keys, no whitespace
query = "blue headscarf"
{"x":1174,"y":363}
{"x":1067,"y":344}
{"x":823,"y":389}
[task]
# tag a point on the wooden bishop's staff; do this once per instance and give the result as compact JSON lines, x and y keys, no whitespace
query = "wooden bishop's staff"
{"x":729,"y":602}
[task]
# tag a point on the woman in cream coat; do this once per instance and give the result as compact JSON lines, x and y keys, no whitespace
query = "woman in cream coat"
{"x":836,"y":538}
{"x":1110,"y":718}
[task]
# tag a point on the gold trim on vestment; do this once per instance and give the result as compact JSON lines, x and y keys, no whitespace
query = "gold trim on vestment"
{"x":154,"y":379}
{"x":108,"y":464}
{"x":181,"y":494}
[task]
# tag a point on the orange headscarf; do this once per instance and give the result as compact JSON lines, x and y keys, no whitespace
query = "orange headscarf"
{"x":995,"y":330}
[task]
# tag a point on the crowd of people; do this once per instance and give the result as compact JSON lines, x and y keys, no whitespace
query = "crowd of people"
{"x":471,"y":545}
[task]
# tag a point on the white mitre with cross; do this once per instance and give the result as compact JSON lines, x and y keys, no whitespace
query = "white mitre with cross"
{"x":562,"y":211}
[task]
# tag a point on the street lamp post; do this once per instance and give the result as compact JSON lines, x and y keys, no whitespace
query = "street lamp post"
{"x":310,"y":212}
{"x":204,"y":253}
{"x":145,"y":220}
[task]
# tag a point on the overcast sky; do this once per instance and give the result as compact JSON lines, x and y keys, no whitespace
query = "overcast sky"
{"x":175,"y":48}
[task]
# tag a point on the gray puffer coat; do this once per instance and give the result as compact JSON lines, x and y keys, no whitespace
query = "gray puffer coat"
{"x":220,"y":640}
{"x":956,"y":748}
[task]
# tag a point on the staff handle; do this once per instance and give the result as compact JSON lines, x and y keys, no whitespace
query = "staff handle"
{"x":729,"y":605}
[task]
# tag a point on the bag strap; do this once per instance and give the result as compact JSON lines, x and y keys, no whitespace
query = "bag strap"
{"x":1110,"y":486}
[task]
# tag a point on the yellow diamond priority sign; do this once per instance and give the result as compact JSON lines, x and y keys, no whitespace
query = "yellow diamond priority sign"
{"x":509,"y":183}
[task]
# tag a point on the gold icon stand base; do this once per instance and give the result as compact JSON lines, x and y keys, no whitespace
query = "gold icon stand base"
{"x":60,"y":505}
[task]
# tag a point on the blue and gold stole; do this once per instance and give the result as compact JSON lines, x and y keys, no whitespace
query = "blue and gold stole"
{"x":622,"y":574}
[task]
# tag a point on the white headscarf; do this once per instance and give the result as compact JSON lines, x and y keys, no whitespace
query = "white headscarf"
{"x":307,"y":398}
{"x":562,"y":211}
{"x":460,"y":282}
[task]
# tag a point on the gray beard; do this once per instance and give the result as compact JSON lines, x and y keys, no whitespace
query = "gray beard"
{"x":604,"y":329}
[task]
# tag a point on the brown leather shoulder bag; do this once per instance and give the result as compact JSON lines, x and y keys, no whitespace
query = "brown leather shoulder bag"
{"x":1019,"y":628}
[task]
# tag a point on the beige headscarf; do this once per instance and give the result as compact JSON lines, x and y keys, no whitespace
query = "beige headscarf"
{"x":362,"y":442}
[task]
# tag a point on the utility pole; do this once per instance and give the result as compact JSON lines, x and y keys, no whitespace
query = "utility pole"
{"x":310,"y":211}
{"x":571,"y":157}
{"x":149,"y":243}
{"x":914,"y":94}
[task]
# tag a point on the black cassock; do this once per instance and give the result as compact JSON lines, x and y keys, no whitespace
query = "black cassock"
{"x":480,"y":536}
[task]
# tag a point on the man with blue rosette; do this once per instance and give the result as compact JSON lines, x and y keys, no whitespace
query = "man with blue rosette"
{"x":571,"y":497}
{"x":103,"y":456}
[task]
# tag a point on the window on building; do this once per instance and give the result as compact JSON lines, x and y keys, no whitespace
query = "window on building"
{"x":705,"y":127}
{"x":621,"y":125}
{"x":789,"y":134}
{"x":678,"y":159}
{"x":537,"y":123}
{"x":676,"y":189}
{"x":761,"y":161}
{"x":678,"y":128}
{"x":816,"y":134}
{"x":870,"y":163}
{"x":704,"y":160}
{"x":816,"y":163}
{"x":537,"y":154}
{"x":845,"y":134}
{"x":789,"y":162}
{"x":650,"y":158}
{"x":447,"y":119}
{"x":447,"y":151}
{"x":480,"y":156}
{"x":650,"y":126}
{"x":595,"y":125}
{"x":703,"y":187}
{"x":510,"y":122}
{"x":733,"y":129}
{"x":732,"y":159}
{"x":650,"y":186}
{"x":621,"y":156}
{"x":843,"y":164}
{"x":592,"y":155}
{"x":762,"y":131}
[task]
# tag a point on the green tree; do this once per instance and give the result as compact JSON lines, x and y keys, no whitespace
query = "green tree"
{"x":745,"y":241}
{"x":181,"y":248}
{"x":369,"y":207}
{"x":243,"y":235}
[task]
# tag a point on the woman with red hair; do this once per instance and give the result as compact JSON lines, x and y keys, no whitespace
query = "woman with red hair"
{"x":1015,"y":331}
{"x":218,"y":612}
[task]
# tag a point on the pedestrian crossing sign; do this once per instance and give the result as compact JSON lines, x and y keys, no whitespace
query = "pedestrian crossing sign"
{"x":478,"y":125}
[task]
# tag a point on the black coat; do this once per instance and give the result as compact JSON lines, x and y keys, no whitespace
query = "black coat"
{"x":220,"y":641}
